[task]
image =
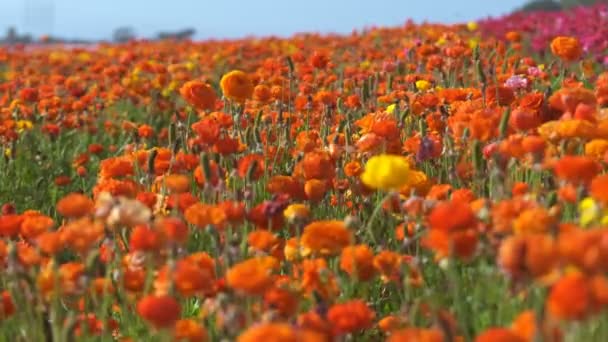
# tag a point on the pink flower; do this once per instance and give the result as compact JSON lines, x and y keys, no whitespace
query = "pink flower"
{"x":516,"y":82}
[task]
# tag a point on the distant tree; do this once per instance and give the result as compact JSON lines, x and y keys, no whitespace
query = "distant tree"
{"x":123,"y":34}
{"x":541,"y":5}
{"x":572,"y":3}
{"x":179,"y":35}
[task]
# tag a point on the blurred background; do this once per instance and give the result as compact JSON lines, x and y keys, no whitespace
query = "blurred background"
{"x":120,"y":20}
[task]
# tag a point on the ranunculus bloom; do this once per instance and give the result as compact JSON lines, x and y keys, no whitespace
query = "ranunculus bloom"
{"x":252,"y":276}
{"x":326,"y":237}
{"x":160,"y":311}
{"x":386,"y":172}
{"x":237,"y":86}
{"x":198,"y":94}
{"x":567,"y":48}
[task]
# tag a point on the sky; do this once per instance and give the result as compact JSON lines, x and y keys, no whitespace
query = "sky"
{"x":97,"y":19}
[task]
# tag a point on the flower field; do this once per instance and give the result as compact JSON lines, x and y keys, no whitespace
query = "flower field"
{"x":417,"y":183}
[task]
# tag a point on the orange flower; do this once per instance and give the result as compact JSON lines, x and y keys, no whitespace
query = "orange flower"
{"x":350,"y":317}
{"x":134,"y":279}
{"x":312,"y":321}
{"x":499,"y":335}
{"x":62,"y":180}
{"x":533,"y":255}
{"x":570,"y":298}
{"x":575,"y":128}
{"x":160,"y":311}
{"x":315,"y":189}
{"x":576,"y":169}
{"x":567,"y":193}
{"x":318,"y":278}
{"x":599,"y":188}
{"x":513,"y":36}
{"x":326,"y":237}
{"x":597,"y":148}
{"x":319,"y":59}
{"x":33,"y":226}
{"x":353,"y":169}
{"x":534,"y":220}
{"x":567,"y":99}
{"x":251,"y":166}
{"x":532,"y":101}
{"x":317,"y":165}
{"x":70,"y":274}
{"x":173,"y":228}
{"x":145,"y":131}
{"x":198,"y":94}
{"x":278,"y":332}
{"x":388,"y":264}
{"x":191,"y":277}
{"x":357,"y":261}
{"x":145,"y":239}
{"x":236,"y":86}
{"x":202,"y":215}
{"x":460,"y":243}
{"x":262,"y":240}
{"x":503,"y":96}
{"x":524,"y":325}
{"x":262,"y":93}
{"x":189,"y":330}
{"x":567,"y":48}
{"x":116,"y":167}
{"x":49,"y":242}
{"x":252,"y":276}
{"x":7,"y":307}
{"x":75,"y":205}
{"x":27,"y":255}
{"x":235,"y":211}
{"x":584,"y":249}
{"x":451,"y":216}
{"x":519,"y":189}
{"x":286,"y":185}
{"x":284,"y":301}
{"x":177,"y":183}
{"x":391,"y":323}
{"x":416,"y":335}
{"x":82,"y":234}
{"x":524,"y":119}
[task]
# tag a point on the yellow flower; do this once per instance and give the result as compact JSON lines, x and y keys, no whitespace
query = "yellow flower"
{"x":296,"y":212}
{"x":596,"y":148}
{"x":135,"y":74}
{"x":84,"y":56}
{"x":8,"y":152}
{"x":167,"y":91}
{"x":391,"y":108}
{"x":365,"y":64}
{"x":591,"y":212}
{"x":236,"y":86}
{"x":473,"y":42}
{"x":24,"y":125}
{"x":441,"y":41}
{"x":575,"y":128}
{"x":190,"y":65}
{"x":417,"y":180}
{"x":472,"y":26}
{"x":386,"y":172}
{"x":423,"y":85}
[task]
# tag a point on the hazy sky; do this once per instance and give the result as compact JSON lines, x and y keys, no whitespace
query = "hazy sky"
{"x":96,"y":19}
